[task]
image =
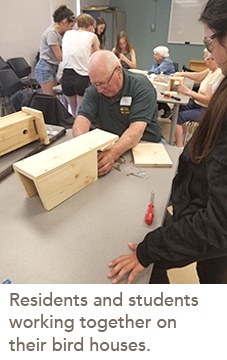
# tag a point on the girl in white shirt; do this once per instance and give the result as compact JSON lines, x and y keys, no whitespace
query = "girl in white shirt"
{"x":77,"y":47}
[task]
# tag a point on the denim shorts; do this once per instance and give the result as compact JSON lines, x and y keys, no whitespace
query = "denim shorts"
{"x":45,"y":72}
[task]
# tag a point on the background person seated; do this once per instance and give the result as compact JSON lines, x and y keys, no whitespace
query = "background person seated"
{"x":162,"y":64}
{"x":124,"y":51}
{"x":193,"y":111}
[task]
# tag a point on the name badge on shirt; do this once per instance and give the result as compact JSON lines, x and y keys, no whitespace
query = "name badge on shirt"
{"x":124,"y":110}
{"x":126,"y":101}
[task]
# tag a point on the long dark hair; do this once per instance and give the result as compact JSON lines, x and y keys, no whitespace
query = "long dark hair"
{"x":102,"y":37}
{"x":120,"y":35}
{"x":214,"y":15}
{"x":61,"y":13}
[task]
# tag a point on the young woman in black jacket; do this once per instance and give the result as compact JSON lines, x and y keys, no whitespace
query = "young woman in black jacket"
{"x":198,"y":228}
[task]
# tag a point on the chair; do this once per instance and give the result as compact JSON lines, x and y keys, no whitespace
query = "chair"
{"x":53,"y":110}
{"x":191,"y":127}
{"x":185,"y":68}
{"x":23,"y":70}
{"x":3,"y":64}
{"x":195,"y":85}
{"x":176,"y":66}
{"x":9,"y":85}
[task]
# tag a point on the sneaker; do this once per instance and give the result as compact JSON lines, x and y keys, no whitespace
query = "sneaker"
{"x":166,"y":114}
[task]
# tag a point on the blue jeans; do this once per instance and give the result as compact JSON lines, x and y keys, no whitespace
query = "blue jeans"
{"x":190,"y":112}
{"x":45,"y":72}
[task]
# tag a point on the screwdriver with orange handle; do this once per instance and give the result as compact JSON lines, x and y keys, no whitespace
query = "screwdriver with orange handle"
{"x":150,"y":211}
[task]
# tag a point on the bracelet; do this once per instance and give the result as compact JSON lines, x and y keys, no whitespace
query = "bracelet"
{"x":189,"y":92}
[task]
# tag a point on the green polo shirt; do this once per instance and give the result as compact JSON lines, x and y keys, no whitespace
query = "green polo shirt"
{"x":136,"y":102}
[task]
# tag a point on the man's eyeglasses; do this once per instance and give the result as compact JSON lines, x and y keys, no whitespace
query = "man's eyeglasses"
{"x":208,"y":42}
{"x":105,"y":83}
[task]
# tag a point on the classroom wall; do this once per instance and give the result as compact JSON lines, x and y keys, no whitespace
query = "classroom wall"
{"x":24,"y":21}
{"x":88,"y":3}
{"x":140,"y":16}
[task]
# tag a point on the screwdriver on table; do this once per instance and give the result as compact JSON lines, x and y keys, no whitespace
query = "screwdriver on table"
{"x":150,"y":211}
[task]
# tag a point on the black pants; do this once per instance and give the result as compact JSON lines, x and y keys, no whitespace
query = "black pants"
{"x":210,"y":271}
{"x":163,"y":106}
{"x":73,"y":83}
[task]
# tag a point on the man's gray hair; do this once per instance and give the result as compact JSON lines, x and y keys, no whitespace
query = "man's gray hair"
{"x":103,"y":58}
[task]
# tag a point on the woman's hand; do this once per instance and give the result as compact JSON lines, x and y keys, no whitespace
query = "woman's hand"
{"x":125,"y":264}
{"x":122,"y":57}
{"x":183,"y":89}
{"x":177,"y":74}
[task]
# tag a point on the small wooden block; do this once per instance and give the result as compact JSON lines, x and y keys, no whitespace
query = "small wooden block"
{"x":174,"y":81}
{"x":61,"y":171}
{"x":21,"y":128}
{"x":151,"y":154}
{"x":39,"y":123}
{"x":161,"y":86}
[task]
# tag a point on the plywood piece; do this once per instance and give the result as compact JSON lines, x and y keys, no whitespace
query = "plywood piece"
{"x":17,"y":134}
{"x":151,"y":154}
{"x":174,"y":81}
{"x":61,"y":171}
{"x":21,"y":128}
{"x":59,"y":155}
{"x":39,"y":123}
{"x":161,"y":86}
{"x":65,"y":181}
{"x":138,"y":71}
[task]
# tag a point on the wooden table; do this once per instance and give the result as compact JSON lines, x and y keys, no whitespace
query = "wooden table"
{"x":75,"y":241}
{"x":184,"y":99}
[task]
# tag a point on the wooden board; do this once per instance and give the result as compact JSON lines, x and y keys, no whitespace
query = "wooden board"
{"x":138,"y":71}
{"x":21,"y":128}
{"x":151,"y":154}
{"x":39,"y":123}
{"x":174,"y":81}
{"x":60,"y":172}
{"x":57,"y":156}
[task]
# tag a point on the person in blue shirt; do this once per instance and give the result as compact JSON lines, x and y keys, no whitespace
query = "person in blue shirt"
{"x":162,"y":64}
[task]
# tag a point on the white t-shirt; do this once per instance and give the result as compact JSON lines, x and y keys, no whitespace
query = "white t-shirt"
{"x":213,"y":79}
{"x":77,"y":49}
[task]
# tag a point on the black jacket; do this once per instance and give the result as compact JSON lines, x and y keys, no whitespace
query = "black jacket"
{"x":198,"y":228}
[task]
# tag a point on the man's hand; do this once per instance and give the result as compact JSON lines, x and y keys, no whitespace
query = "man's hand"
{"x":125,"y":264}
{"x":105,"y":162}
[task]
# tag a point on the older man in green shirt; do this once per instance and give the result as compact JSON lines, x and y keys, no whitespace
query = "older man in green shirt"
{"x":120,"y":102}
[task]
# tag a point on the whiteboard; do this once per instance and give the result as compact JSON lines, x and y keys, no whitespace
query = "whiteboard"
{"x":184,"y":26}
